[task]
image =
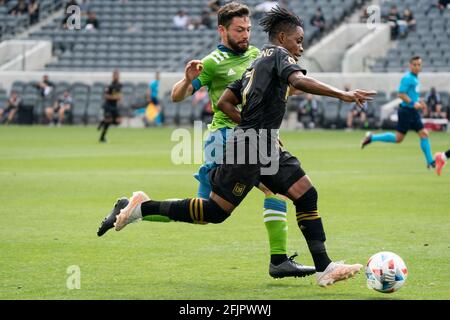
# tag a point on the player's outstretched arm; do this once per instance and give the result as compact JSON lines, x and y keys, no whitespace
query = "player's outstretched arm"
{"x":228,"y":104}
{"x":313,"y":86}
{"x":183,"y":88}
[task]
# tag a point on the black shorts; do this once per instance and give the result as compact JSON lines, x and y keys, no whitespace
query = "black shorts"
{"x":111,"y":112}
{"x":234,"y":181}
{"x":408,"y":118}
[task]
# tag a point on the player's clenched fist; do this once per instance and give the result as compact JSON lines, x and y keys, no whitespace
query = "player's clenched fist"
{"x":193,"y":70}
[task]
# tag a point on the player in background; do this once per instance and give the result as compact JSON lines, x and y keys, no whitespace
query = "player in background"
{"x":113,"y":94}
{"x":408,"y":113}
{"x":441,"y":159}
{"x":217,"y":70}
{"x":262,"y":92}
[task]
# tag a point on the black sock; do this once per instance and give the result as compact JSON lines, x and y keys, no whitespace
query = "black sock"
{"x":277,"y":259}
{"x":100,"y":125}
{"x":447,"y":154}
{"x":187,"y":210}
{"x":105,"y":129}
{"x":310,"y":223}
{"x":319,"y":254}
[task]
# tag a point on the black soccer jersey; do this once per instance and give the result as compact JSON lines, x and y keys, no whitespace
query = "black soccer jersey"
{"x":114,"y":89}
{"x":263,"y":88}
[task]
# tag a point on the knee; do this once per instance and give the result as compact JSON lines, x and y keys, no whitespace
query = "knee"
{"x":308,"y":218}
{"x":399,"y":138}
{"x":308,"y":201}
{"x":214,"y":213}
{"x":423,"y":134}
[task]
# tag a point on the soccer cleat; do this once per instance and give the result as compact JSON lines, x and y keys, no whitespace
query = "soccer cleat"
{"x":108,"y":222}
{"x":290,"y":268}
{"x":367,"y":139}
{"x":128,"y":215}
{"x":337,"y":271}
{"x":440,"y":162}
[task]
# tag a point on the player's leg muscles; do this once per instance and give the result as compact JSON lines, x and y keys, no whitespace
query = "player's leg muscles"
{"x":305,"y":197}
{"x":196,"y":210}
{"x":275,"y":220}
{"x":425,"y":146}
{"x":213,"y":154}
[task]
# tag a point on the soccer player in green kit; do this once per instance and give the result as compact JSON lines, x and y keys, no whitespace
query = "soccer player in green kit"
{"x":217,"y":70}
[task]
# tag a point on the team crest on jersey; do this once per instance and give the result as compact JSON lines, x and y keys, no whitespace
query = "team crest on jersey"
{"x":238,"y":189}
{"x":231,"y":72}
{"x":292,"y":60}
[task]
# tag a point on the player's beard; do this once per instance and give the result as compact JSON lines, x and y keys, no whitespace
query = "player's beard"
{"x":237,"y":47}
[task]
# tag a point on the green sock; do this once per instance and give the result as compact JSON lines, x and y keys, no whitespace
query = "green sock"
{"x":147,"y":216}
{"x":276,"y":224}
{"x":156,"y":218}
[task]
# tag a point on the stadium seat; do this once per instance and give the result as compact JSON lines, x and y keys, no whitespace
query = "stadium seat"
{"x":170,"y":112}
{"x":185,"y":112}
{"x":330,"y":112}
{"x":155,"y":44}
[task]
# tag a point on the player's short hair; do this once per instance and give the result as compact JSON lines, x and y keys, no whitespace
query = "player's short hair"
{"x":231,"y":10}
{"x":414,"y":59}
{"x":279,"y":20}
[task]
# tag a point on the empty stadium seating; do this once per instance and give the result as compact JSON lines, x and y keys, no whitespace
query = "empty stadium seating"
{"x":431,"y":40}
{"x":138,"y":35}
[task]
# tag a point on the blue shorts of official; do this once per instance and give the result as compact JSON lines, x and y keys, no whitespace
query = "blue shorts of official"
{"x":214,"y":149}
{"x":409,"y":119}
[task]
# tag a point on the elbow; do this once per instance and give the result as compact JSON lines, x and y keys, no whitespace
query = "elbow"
{"x":221,"y":105}
{"x":299,"y":85}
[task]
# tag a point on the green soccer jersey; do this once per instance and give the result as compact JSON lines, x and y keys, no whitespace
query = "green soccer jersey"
{"x":220,"y":68}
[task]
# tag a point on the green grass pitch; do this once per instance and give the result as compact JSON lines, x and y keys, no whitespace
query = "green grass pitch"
{"x":57,"y":184}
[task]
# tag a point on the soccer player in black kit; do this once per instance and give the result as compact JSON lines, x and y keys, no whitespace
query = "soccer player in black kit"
{"x":262,"y":91}
{"x":113,"y":94}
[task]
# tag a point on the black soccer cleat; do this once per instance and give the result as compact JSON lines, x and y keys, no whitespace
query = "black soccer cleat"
{"x":290,"y":268}
{"x":431,"y":165}
{"x":108,"y":222}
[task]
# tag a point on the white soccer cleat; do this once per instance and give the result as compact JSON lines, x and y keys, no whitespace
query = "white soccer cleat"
{"x":128,"y":214}
{"x":367,"y":139}
{"x":337,"y":271}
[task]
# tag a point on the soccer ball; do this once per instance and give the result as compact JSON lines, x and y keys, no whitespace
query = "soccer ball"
{"x":386,"y":272}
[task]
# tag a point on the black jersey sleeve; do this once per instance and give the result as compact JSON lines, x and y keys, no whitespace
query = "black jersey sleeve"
{"x":236,"y":88}
{"x":286,"y":65}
